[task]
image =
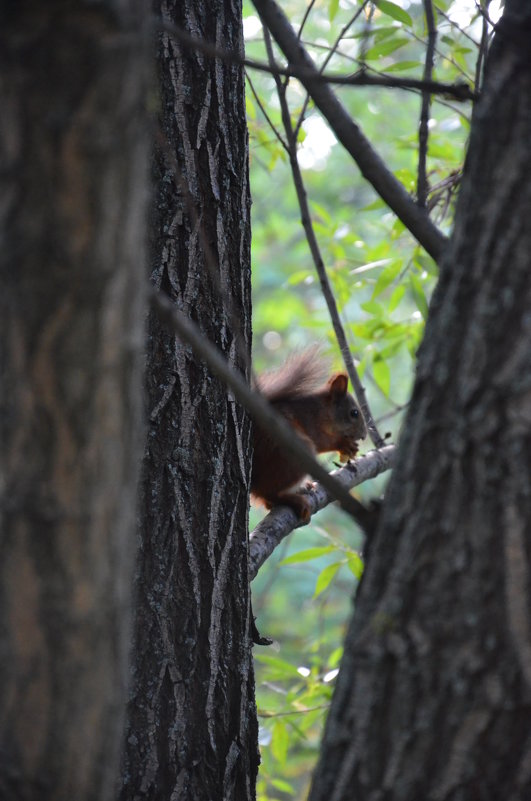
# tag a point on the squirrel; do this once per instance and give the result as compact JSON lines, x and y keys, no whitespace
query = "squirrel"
{"x":322,"y":413}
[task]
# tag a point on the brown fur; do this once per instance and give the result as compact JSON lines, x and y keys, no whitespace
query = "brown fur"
{"x":324,"y":415}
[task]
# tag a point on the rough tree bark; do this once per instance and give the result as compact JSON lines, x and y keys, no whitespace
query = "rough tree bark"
{"x":73,"y":149}
{"x":192,"y":721}
{"x":434,"y":694}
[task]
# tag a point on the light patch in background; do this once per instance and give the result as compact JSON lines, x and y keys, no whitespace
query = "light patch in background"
{"x":272,"y":340}
{"x":317,"y":145}
{"x":251,"y":26}
{"x":462,"y":11}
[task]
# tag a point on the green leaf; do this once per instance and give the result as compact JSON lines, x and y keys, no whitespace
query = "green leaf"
{"x":376,"y":204}
{"x":372,"y":307}
{"x":325,"y":577}
{"x":309,"y":553}
{"x":335,"y":657}
{"x":386,"y":277}
{"x":419,"y":294}
{"x":250,"y":107}
{"x":284,"y":787}
{"x":403,"y":65}
{"x":280,"y":668}
{"x":425,"y":262}
{"x":394,"y":11}
{"x":355,"y":563}
{"x":396,"y":297}
{"x":385,"y":48}
{"x":382,"y":375}
{"x":299,"y":276}
{"x":333,"y":7}
{"x":280,"y":741}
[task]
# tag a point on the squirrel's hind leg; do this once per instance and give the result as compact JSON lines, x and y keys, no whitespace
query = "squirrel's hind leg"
{"x":297,"y":501}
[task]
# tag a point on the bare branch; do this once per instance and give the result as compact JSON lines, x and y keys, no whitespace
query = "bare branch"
{"x":282,"y":521}
{"x":349,"y":134}
{"x":453,"y":24}
{"x":422,"y":180}
{"x":265,"y":115}
{"x":305,"y":18}
{"x":483,"y":47}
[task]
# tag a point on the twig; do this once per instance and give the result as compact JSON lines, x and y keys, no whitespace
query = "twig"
{"x":329,"y":55}
{"x":365,"y":36}
{"x":265,"y":114}
{"x":305,"y":17}
{"x":259,"y":409}
{"x":445,"y":56}
{"x":292,"y":712}
{"x":349,"y":134}
{"x":422,"y":179}
{"x":483,"y":47}
{"x":454,"y":24}
{"x":282,"y":521}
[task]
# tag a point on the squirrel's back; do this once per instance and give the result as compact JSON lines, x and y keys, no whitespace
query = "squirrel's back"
{"x":302,"y":374}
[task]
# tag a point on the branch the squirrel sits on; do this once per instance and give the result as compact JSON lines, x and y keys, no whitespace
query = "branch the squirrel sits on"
{"x":322,"y":413}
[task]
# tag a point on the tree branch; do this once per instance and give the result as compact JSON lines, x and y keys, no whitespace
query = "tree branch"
{"x":422,"y":180}
{"x":349,"y":134}
{"x":282,"y":521}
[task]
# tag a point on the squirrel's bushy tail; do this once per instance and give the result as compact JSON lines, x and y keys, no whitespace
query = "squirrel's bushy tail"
{"x":303,"y":373}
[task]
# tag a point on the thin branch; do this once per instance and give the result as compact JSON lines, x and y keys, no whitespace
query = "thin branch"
{"x":259,"y":409}
{"x":455,"y":25}
{"x":367,"y":75}
{"x":349,"y":134}
{"x":327,"y":60}
{"x":305,"y":17}
{"x":458,"y":91}
{"x":292,"y":712}
{"x":483,"y":47}
{"x":266,"y":116}
{"x":365,"y":36}
{"x":459,"y":68}
{"x":281,"y":521}
{"x":317,"y":258}
{"x":422,"y":178}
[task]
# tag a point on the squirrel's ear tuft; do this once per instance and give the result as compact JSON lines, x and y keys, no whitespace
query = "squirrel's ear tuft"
{"x":338,"y":384}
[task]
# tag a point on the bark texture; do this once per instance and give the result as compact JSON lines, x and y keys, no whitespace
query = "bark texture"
{"x":73,"y":150}
{"x":434,"y":694}
{"x":192,"y":722}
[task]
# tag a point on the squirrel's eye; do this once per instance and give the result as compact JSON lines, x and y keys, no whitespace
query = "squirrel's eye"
{"x":354,"y":413}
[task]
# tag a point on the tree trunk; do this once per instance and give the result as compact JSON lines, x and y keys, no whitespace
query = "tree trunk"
{"x":434,"y":694}
{"x":73,"y":199}
{"x":192,"y":721}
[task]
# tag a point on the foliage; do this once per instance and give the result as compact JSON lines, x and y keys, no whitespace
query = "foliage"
{"x":382,"y":281}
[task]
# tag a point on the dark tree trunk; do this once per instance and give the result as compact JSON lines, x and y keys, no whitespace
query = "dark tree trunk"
{"x":73,"y":150}
{"x":434,"y":694}
{"x":192,"y":721}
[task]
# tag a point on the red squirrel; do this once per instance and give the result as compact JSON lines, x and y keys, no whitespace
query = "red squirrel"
{"x":323,"y":414}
